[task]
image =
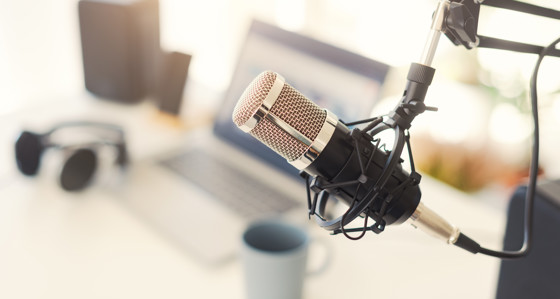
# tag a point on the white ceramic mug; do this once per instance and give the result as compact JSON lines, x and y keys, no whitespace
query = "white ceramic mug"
{"x":274,"y":255}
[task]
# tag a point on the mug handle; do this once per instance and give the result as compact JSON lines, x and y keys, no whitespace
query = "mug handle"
{"x":325,"y":263}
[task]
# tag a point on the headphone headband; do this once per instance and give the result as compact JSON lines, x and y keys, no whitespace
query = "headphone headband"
{"x":118,"y":142}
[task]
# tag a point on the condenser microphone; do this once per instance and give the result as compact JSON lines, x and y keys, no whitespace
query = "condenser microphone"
{"x":345,"y":163}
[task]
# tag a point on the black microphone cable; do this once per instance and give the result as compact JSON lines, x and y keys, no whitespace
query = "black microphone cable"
{"x":534,"y":167}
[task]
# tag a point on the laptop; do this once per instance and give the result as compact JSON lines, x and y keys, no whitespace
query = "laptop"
{"x":204,"y":194}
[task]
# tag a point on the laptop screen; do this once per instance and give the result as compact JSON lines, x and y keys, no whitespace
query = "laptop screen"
{"x":341,"y":81}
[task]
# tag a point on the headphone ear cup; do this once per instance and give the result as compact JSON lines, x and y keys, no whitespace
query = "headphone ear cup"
{"x":78,"y":169}
{"x":28,"y":150}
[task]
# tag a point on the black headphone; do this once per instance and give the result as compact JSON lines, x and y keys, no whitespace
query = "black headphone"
{"x":81,"y":164}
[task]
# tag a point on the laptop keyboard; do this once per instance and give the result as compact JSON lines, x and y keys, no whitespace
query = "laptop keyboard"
{"x":235,"y":189}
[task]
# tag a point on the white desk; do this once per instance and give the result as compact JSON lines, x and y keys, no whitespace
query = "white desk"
{"x":55,"y":244}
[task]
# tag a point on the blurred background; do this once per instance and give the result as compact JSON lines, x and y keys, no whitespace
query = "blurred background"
{"x":479,"y":138}
{"x":478,"y":143}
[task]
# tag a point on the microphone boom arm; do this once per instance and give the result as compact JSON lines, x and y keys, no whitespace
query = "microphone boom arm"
{"x":458,"y":20}
{"x":461,"y":25}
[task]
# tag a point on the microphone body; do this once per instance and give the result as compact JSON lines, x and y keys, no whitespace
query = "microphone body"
{"x":313,"y":140}
{"x":343,"y":162}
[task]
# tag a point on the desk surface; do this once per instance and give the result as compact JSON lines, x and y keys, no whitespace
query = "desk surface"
{"x":55,"y":244}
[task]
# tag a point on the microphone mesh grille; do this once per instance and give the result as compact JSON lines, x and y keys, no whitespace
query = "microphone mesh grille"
{"x":253,"y":97}
{"x":291,"y":107}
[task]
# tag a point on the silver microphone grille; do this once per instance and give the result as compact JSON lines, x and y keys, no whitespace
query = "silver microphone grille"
{"x":279,"y":116}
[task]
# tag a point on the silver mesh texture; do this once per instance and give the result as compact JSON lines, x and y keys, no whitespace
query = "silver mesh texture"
{"x":253,"y":97}
{"x":291,"y":107}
